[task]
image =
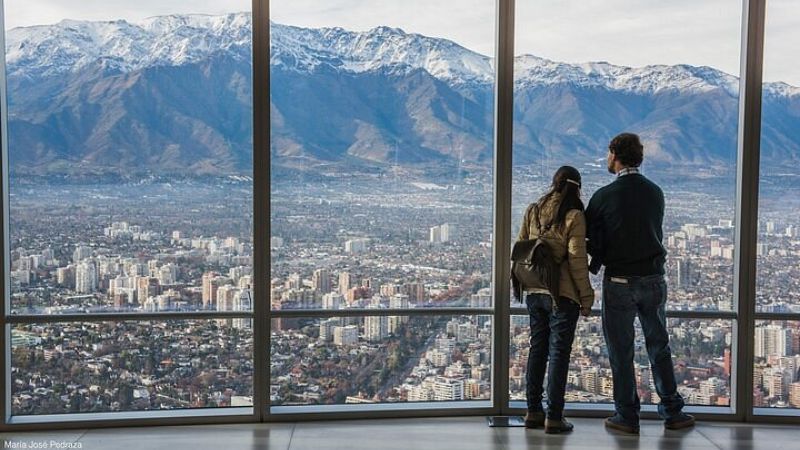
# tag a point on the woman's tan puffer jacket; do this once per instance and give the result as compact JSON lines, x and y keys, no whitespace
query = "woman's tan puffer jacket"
{"x":568,"y":245}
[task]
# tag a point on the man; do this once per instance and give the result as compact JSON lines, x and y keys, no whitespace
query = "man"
{"x":625,"y":233}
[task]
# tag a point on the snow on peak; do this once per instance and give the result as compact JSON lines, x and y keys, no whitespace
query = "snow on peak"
{"x":52,"y":50}
{"x":119,"y":45}
{"x":531,"y":70}
{"x":304,"y":49}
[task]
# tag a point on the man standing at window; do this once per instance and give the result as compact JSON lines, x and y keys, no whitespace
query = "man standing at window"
{"x":625,"y":232}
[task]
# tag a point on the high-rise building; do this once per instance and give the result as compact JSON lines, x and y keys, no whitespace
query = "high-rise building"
{"x":86,"y":277}
{"x":711,"y":386}
{"x":344,"y":282}
{"x":294,"y":281}
{"x":726,"y":362}
{"x":772,"y":340}
{"x":332,"y":300}
{"x":684,"y":272}
{"x":326,"y":327}
{"x":146,"y":287}
{"x":399,"y":301}
{"x":482,"y":299}
{"x":355,"y":245}
{"x":209,"y":295}
{"x":446,"y":232}
{"x":347,"y":335}
{"x":438,"y":358}
{"x":770,"y":227}
{"x":65,"y":276}
{"x":376,"y":328}
{"x":794,"y":394}
{"x":447,"y":389}
{"x":225,"y":297}
{"x":168,"y":274}
{"x":81,"y":252}
{"x":466,"y":332}
{"x":415,"y":291}
{"x":776,"y":383}
{"x":321,"y":279}
{"x":440,"y":234}
{"x":390,"y":289}
{"x":590,"y":379}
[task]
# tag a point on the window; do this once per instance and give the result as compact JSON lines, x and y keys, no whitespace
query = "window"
{"x":777,"y":383}
{"x":381,"y":198}
{"x":130,"y":191}
{"x":628,"y":75}
{"x":136,"y":203}
{"x":701,"y":352}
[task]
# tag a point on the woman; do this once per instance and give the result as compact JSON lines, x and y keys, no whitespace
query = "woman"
{"x":558,"y":219}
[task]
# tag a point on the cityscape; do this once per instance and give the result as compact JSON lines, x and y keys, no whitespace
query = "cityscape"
{"x":130,"y":150}
{"x":367,"y":242}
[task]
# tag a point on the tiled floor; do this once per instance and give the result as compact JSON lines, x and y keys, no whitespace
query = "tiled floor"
{"x":407,"y":434}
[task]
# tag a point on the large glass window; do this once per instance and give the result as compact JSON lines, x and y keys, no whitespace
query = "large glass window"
{"x":627,"y":75}
{"x":73,"y":367}
{"x":130,"y":153}
{"x":381,"y":188}
{"x":701,"y":351}
{"x":776,"y":351}
{"x":778,"y":250}
{"x":777,"y":355}
{"x":130,"y":171}
{"x":381,"y":156}
{"x":380,"y":359}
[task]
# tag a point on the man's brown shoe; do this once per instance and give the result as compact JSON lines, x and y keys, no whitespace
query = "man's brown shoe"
{"x":680,"y":422}
{"x":534,"y":419}
{"x":616,"y":423}
{"x":552,"y":426}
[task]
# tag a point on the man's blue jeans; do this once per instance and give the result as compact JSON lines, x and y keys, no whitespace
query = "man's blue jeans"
{"x":552,"y":333}
{"x":622,"y":301}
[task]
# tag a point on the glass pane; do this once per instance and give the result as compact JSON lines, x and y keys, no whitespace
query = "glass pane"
{"x":778,"y":249}
{"x":381,"y":154}
{"x":130,"y":150}
{"x":380,"y":359}
{"x":627,"y":75}
{"x":130,"y":366}
{"x":777,"y":357}
{"x":701,"y":354}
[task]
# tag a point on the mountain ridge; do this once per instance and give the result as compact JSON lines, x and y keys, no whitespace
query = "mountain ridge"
{"x":173,"y":93}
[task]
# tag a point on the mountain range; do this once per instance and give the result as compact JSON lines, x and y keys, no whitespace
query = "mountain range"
{"x":173,"y":94}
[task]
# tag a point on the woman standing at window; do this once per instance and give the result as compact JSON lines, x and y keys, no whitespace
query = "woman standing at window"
{"x":558,"y":219}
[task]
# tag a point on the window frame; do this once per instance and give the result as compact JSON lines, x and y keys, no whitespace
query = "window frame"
{"x":743,"y":316}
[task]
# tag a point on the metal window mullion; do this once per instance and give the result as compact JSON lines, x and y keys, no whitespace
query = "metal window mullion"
{"x":5,"y":354}
{"x":127,"y":317}
{"x":746,"y":232}
{"x":261,"y":208}
{"x":776,"y":316}
{"x":671,"y":314}
{"x":503,"y":149}
{"x":364,"y":312}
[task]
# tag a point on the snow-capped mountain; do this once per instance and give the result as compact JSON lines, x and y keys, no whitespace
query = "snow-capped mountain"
{"x":174,"y":93}
{"x":71,"y":45}
{"x":304,"y":49}
{"x":179,"y":39}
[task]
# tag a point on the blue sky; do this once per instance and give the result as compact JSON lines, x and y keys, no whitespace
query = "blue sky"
{"x":627,"y":32}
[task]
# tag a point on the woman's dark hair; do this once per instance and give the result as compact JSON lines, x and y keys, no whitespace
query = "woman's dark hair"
{"x":628,"y":149}
{"x":567,"y":182}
